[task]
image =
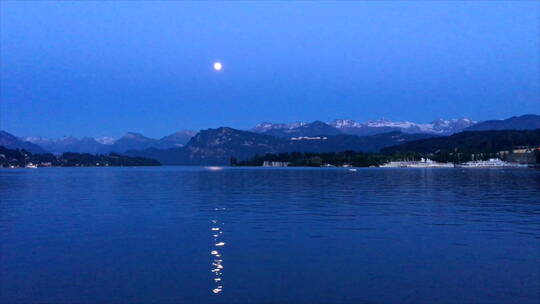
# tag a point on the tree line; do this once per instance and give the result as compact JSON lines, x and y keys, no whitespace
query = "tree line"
{"x":21,"y":158}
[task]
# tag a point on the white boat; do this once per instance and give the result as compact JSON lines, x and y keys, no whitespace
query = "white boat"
{"x":352,"y":169}
{"x":268,"y":163}
{"x":31,"y":166}
{"x":422,"y":163}
{"x":490,"y":163}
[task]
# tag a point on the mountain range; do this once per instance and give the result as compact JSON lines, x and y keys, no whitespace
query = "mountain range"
{"x":351,"y":127}
{"x":137,"y":141}
{"x":12,"y":142}
{"x":216,"y":146}
{"x":130,"y":141}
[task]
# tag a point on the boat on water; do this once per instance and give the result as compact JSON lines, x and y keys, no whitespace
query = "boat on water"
{"x":490,"y":163}
{"x":422,"y":163}
{"x":268,"y":163}
{"x":31,"y":166}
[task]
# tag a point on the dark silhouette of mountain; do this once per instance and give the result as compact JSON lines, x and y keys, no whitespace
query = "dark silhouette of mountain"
{"x":130,"y":141}
{"x":10,"y":141}
{"x":471,"y":141}
{"x":524,"y":122}
{"x":85,"y":145}
{"x":344,"y":142}
{"x":65,"y":144}
{"x":171,"y":156}
{"x":217,"y":146}
{"x":317,"y":128}
{"x":177,"y":139}
{"x":363,"y":130}
{"x":136,"y":141}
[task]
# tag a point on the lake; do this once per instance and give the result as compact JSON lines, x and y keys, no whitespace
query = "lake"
{"x":256,"y":235}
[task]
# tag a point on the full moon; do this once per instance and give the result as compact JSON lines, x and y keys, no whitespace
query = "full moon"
{"x":217,"y":66}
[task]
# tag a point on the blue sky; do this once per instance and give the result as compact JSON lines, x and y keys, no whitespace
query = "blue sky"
{"x":104,"y":68}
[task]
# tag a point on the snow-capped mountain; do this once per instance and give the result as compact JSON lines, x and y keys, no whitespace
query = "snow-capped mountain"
{"x":105,"y":140}
{"x":453,"y":125}
{"x":439,"y":126}
{"x":267,"y":126}
{"x":315,"y":128}
{"x":372,"y":127}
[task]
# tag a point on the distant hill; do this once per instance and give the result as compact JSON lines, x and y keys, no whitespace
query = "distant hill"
{"x":65,"y":144}
{"x":130,"y":141}
{"x":137,"y":141}
{"x":177,"y":139}
{"x":217,"y":146}
{"x":524,"y":122}
{"x":10,"y":141}
{"x":472,"y":141}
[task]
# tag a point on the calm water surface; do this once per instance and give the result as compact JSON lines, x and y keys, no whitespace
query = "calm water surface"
{"x":193,"y":235}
